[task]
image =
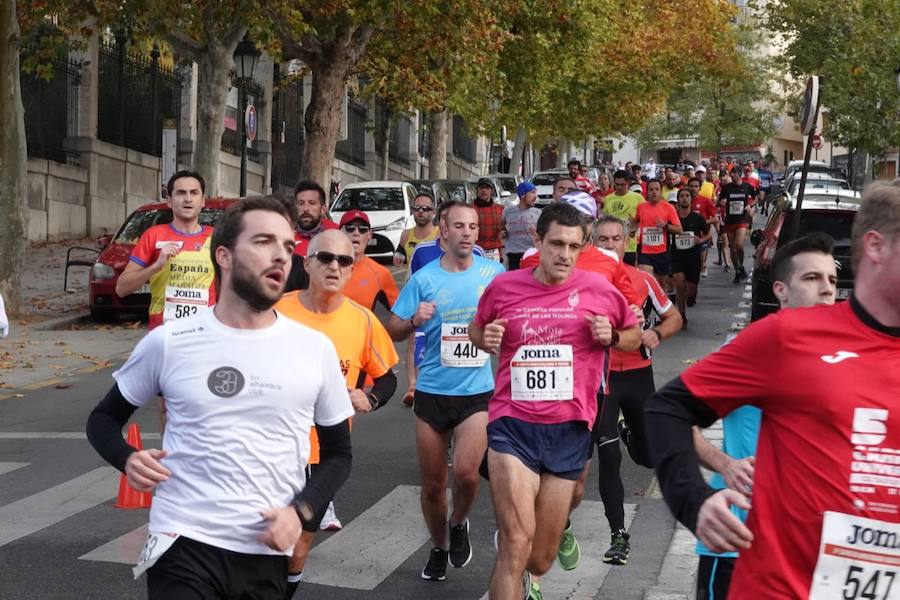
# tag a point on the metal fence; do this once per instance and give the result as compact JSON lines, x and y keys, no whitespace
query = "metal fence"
{"x":353,"y":149}
{"x":231,"y":142}
{"x":136,"y":95}
{"x":287,"y":135}
{"x":51,"y":110}
{"x":463,"y":146}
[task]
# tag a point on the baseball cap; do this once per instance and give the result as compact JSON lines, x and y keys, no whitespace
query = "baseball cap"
{"x":583,"y":201}
{"x":355,"y":215}
{"x":525,"y":187}
{"x":700,"y":169}
{"x":485,"y":181}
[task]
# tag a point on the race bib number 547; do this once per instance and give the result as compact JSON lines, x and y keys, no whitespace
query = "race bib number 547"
{"x":859,"y":558}
{"x":542,"y":373}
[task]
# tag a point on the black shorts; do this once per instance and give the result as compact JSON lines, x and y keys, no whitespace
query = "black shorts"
{"x":630,"y":258}
{"x":444,"y":413}
{"x":192,"y":570}
{"x":557,"y":448}
{"x":714,"y":577}
{"x":689,"y":264}
{"x":661,"y":262}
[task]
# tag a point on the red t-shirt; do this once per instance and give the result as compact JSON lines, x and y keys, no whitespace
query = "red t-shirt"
{"x":302,"y":237}
{"x":594,"y":260}
{"x":654,"y":239}
{"x":652,"y":298}
{"x":828,"y":385}
{"x":490,"y":223}
{"x":705,"y":207}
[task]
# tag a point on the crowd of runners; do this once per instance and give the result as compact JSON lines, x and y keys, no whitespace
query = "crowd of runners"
{"x":529,"y":346}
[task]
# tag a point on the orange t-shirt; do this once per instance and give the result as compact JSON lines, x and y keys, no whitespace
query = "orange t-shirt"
{"x":367,"y":281}
{"x":362,"y":343}
{"x":654,"y":239}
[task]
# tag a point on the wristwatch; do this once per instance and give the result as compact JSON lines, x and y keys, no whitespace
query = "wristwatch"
{"x":374,"y":401}
{"x":614,"y":340}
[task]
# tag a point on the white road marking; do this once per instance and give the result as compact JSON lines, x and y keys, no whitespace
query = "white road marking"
{"x":6,"y":467}
{"x":592,"y":531}
{"x":124,"y":549}
{"x":737,"y":326}
{"x":38,"y":511}
{"x":741,"y":316}
{"x":747,"y":295}
{"x":743,"y":305}
{"x":57,"y":435}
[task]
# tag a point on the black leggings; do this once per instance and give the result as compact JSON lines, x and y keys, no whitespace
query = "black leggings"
{"x":629,"y":391}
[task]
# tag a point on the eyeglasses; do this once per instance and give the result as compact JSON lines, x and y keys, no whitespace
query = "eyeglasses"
{"x":423,"y":209}
{"x":352,"y":227}
{"x":326,"y":258}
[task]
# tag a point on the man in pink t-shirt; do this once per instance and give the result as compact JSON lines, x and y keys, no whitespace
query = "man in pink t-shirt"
{"x":553,"y":327}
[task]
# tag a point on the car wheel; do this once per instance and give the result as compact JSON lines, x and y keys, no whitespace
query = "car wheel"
{"x":102,"y":315}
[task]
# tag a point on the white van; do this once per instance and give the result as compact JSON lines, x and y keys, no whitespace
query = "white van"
{"x":387,"y":203}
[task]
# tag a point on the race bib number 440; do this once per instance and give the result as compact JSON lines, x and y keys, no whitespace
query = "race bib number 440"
{"x":184,"y":302}
{"x":859,"y":558}
{"x":542,"y":373}
{"x":456,"y":348}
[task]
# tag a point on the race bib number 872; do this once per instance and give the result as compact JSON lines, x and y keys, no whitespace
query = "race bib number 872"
{"x":859,"y":559}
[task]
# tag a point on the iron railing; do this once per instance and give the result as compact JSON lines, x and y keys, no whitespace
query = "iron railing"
{"x":51,"y":110}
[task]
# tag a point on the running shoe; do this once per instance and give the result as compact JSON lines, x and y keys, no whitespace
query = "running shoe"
{"x":460,"y":548}
{"x":618,"y":549}
{"x":569,"y":552}
{"x":330,"y":522}
{"x":436,"y":569}
{"x":692,"y":300}
{"x":726,"y":269}
{"x":743,"y":274}
{"x":526,"y":585}
{"x":703,"y":273}
{"x":535,"y":592}
{"x":737,"y":276}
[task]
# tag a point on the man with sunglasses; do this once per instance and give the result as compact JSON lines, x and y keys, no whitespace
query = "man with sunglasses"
{"x":364,"y":349}
{"x":454,"y":383}
{"x":369,"y":282}
{"x":424,"y":231}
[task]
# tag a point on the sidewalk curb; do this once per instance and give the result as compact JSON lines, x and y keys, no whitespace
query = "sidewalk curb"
{"x":62,"y":322}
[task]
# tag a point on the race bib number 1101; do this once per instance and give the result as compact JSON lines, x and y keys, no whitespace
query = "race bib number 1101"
{"x":859,"y":559}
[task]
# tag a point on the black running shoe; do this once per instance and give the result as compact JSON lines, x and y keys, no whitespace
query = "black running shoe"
{"x":618,"y":549}
{"x":460,"y":548}
{"x":436,"y":569}
{"x":737,"y":276}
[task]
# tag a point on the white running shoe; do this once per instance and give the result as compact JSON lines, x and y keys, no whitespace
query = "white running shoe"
{"x":330,"y":522}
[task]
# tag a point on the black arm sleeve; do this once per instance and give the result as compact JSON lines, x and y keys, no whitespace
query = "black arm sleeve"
{"x":104,"y":428}
{"x":299,"y":278}
{"x":331,"y":472}
{"x":668,"y":417}
{"x":383,"y":388}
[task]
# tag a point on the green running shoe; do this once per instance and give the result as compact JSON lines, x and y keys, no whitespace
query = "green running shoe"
{"x":535,"y":592}
{"x":569,"y":552}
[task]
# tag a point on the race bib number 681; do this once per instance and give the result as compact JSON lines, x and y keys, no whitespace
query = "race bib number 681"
{"x":542,"y":373}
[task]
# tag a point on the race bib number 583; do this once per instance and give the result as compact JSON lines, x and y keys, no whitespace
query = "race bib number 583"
{"x":542,"y":373}
{"x":859,"y":559}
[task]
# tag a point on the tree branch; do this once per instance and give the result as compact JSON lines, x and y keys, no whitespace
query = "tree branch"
{"x":183,"y":44}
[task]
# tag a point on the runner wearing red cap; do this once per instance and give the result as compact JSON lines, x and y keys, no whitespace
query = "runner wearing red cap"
{"x":369,"y":282}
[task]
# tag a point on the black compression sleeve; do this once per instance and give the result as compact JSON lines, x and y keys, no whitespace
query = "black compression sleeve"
{"x":104,"y":428}
{"x":669,"y":415}
{"x":384,"y":387}
{"x":331,"y":472}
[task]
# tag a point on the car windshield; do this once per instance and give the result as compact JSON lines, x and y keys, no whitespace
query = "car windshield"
{"x":835,"y":223}
{"x":546,"y":178}
{"x":507,"y":184}
{"x":819,"y":184}
{"x":142,"y":220}
{"x":456,"y":191}
{"x":422,"y":186}
{"x":369,"y":199}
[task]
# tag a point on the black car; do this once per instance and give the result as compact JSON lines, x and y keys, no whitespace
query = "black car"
{"x":831,"y":213}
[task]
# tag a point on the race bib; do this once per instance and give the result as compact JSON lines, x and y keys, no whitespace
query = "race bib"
{"x":155,"y":546}
{"x":457,"y":350}
{"x":542,"y":373}
{"x":859,"y":558}
{"x":684,"y":241}
{"x":651,"y":236}
{"x":184,"y":302}
{"x":160,"y":244}
{"x":735,"y":207}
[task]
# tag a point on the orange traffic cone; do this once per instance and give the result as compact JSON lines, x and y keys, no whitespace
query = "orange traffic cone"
{"x":128,"y":496}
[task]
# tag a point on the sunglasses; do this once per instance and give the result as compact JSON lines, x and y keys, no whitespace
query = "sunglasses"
{"x":353,"y":227}
{"x":422,"y":208}
{"x":326,"y":258}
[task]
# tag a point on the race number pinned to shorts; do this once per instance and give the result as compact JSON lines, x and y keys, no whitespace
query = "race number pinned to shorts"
{"x":184,"y":302}
{"x":735,"y":207}
{"x":457,"y":350}
{"x":684,"y":241}
{"x":651,"y":236}
{"x":859,"y":558}
{"x":155,"y":546}
{"x":542,"y":373}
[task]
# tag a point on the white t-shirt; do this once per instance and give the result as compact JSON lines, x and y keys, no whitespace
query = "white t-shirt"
{"x":4,"y":322}
{"x":240,"y":404}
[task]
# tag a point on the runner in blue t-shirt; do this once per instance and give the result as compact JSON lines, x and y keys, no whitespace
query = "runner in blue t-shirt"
{"x":454,"y":383}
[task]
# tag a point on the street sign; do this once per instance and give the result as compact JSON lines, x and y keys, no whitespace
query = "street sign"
{"x":809,"y":113}
{"x":817,"y":141}
{"x":250,"y":122}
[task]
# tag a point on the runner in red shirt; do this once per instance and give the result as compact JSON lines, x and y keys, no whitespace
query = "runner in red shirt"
{"x":311,"y":210}
{"x":582,"y":182}
{"x":655,"y":220}
{"x":825,"y":522}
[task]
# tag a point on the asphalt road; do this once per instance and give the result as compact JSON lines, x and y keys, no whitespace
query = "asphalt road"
{"x":61,"y":538}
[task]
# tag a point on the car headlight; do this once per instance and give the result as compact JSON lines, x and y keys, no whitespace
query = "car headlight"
{"x":395,"y":225}
{"x":102,"y":271}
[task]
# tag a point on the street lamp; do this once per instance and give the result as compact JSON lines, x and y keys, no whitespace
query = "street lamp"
{"x":245,"y":57}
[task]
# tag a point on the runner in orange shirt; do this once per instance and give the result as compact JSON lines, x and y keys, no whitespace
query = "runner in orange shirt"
{"x":370,"y":282}
{"x":363,"y":346}
{"x":655,"y":220}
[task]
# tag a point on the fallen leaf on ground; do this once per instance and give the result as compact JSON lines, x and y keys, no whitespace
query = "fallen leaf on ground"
{"x":689,"y":361}
{"x":63,"y":386}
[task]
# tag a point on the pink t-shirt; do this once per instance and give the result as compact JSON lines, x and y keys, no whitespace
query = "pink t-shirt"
{"x":550,"y":366}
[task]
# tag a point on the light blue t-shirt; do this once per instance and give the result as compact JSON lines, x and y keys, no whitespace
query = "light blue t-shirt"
{"x":456,"y":298}
{"x":741,"y":433}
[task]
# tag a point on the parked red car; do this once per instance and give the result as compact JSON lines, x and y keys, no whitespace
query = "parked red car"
{"x":103,"y":301}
